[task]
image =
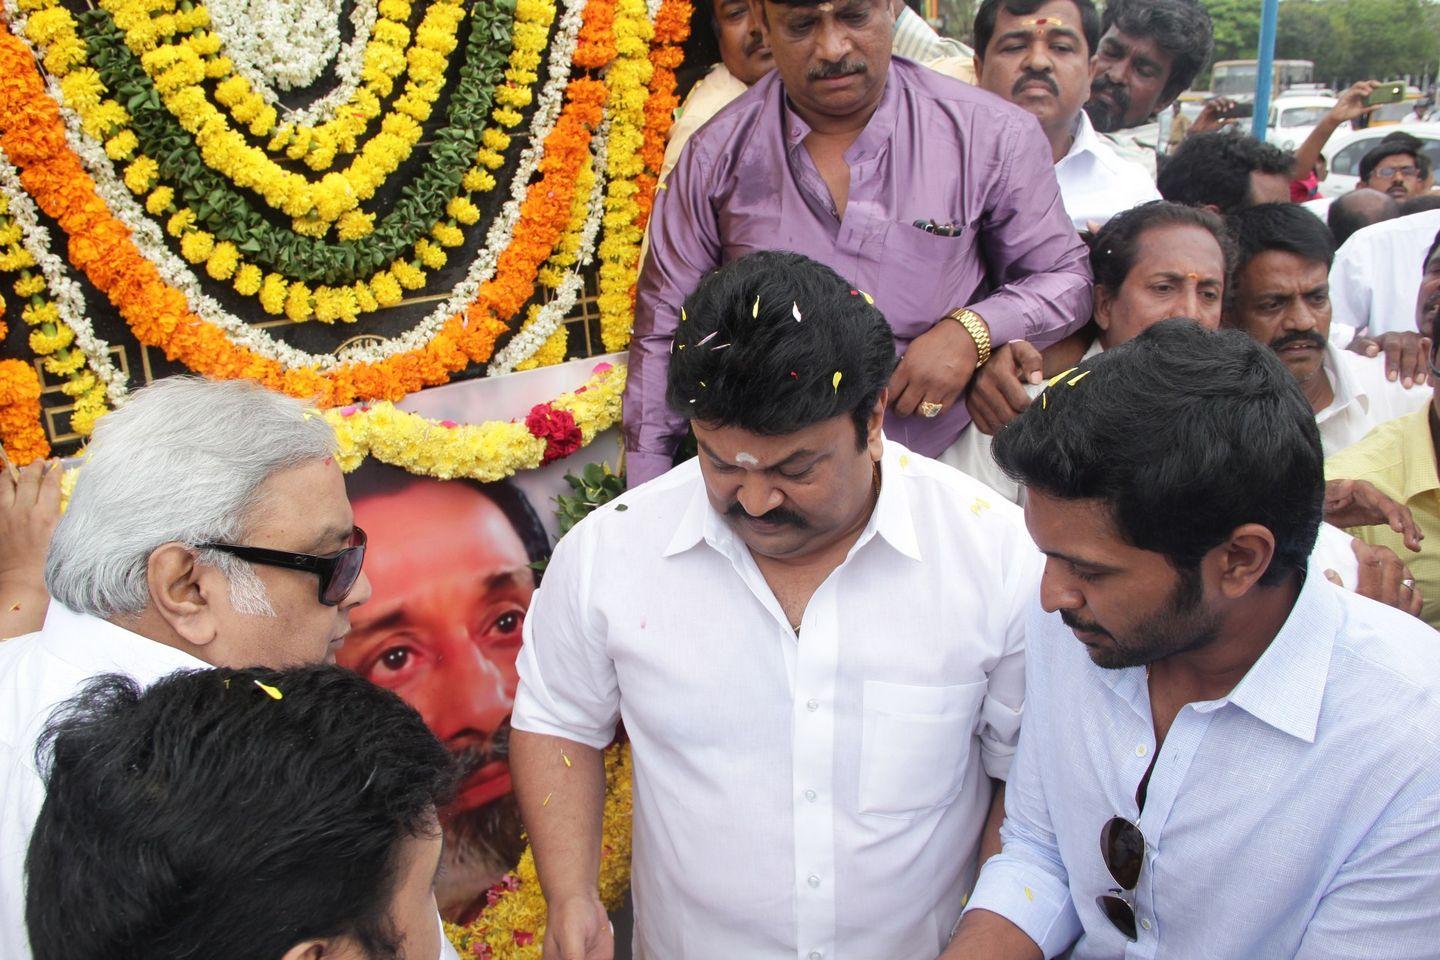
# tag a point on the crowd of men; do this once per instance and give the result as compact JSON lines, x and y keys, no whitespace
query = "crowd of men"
{"x":1058,"y":572}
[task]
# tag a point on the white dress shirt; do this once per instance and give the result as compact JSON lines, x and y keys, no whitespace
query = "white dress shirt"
{"x":818,"y":797}
{"x":1096,"y":182}
{"x":1375,"y":279}
{"x":1364,"y":398}
{"x":38,"y":672}
{"x":1298,"y":816}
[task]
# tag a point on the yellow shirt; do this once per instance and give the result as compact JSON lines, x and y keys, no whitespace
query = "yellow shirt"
{"x":1398,"y":457}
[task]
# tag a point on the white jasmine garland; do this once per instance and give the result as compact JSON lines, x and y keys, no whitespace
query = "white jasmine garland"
{"x":349,"y":63}
{"x":287,"y":43}
{"x":64,"y":292}
{"x":149,"y":239}
{"x":533,"y":336}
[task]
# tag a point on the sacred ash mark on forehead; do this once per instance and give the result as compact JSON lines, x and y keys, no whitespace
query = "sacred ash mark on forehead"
{"x":746,"y":460}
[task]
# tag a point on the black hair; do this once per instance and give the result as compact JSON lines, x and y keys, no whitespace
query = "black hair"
{"x":1431,"y":252}
{"x":1358,"y":209}
{"x":1116,"y":247}
{"x":1394,"y":145}
{"x":989,"y":12}
{"x":1215,"y":168}
{"x":761,"y":342}
{"x":1181,"y":28}
{"x":1419,"y":204}
{"x":1185,"y":435}
{"x":1280,"y":226}
{"x":205,"y":817}
{"x":374,"y":479}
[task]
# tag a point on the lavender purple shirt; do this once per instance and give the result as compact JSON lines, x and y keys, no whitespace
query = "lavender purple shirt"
{"x":935,"y":149}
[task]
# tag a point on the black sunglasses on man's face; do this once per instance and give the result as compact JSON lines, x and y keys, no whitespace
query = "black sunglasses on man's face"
{"x":337,"y":571}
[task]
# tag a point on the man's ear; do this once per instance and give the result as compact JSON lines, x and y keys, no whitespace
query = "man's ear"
{"x":978,"y":65}
{"x":874,"y":427}
{"x":1244,"y":558}
{"x":1104,"y":303}
{"x":317,"y":950}
{"x":182,"y":590}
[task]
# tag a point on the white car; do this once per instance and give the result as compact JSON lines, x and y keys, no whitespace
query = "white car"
{"x":1293,"y":116}
{"x":1345,"y":150}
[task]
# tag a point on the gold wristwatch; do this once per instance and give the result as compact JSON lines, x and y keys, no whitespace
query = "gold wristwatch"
{"x":974,"y":326}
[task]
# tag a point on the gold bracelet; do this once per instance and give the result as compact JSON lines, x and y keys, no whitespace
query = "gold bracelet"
{"x":974,"y":326}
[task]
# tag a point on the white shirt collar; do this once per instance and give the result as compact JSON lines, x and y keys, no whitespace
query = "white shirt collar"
{"x":1086,"y":140}
{"x":98,"y":646}
{"x":1347,"y":387}
{"x":891,"y":519}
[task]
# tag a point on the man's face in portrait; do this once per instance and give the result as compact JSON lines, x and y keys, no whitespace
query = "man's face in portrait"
{"x":452,"y":584}
{"x":1398,"y":175}
{"x":742,"y":46}
{"x":833,"y":56}
{"x":1179,"y":271}
{"x":1128,"y":75}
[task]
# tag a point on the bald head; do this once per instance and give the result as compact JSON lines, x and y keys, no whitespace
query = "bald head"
{"x":1359,"y":208}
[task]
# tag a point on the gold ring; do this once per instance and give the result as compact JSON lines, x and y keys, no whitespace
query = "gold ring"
{"x":929,"y":410}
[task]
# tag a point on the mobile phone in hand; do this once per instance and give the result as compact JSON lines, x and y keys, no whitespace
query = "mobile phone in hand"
{"x":1386,"y":93}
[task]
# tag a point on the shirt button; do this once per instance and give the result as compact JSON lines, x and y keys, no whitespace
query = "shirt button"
{"x":1140,"y":750}
{"x":812,"y":704}
{"x":1145,"y":924}
{"x":816,"y":955}
{"x":813,"y":880}
{"x":810,"y":795}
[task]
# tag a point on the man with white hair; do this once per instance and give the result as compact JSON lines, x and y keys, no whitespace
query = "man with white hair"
{"x":209,"y":527}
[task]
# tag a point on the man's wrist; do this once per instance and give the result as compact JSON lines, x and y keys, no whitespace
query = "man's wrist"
{"x":977,"y":328}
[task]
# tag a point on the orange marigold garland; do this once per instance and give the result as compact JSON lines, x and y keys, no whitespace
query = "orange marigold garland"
{"x":672,"y":28}
{"x":21,"y":432}
{"x":595,"y":47}
{"x":33,"y":134}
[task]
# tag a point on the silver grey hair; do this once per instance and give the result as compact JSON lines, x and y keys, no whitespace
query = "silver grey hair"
{"x":182,"y":461}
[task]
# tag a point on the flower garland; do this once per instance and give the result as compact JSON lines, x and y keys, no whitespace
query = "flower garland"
{"x":352,"y":59}
{"x":178,"y":72}
{"x":542,"y":340}
{"x":62,"y":334}
{"x":423,"y":201}
{"x":419,"y":338}
{"x":512,"y":925}
{"x":620,"y":248}
{"x":157,"y":314}
{"x":20,"y":431}
{"x":484,"y":452}
{"x":672,"y":28}
{"x":288,"y":42}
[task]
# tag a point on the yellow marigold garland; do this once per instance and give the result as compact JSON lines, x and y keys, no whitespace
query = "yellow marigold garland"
{"x":619,"y":251}
{"x":512,"y":926}
{"x":486,"y":451}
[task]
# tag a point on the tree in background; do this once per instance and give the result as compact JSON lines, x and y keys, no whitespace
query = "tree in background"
{"x":1357,"y":39}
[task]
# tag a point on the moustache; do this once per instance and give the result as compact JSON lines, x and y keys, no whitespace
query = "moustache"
{"x":1033,"y":77}
{"x":1075,"y":623}
{"x":473,"y":750}
{"x":754,"y":44}
{"x":778,"y":516}
{"x":1114,"y":90}
{"x":833,"y":71}
{"x":1299,"y":336}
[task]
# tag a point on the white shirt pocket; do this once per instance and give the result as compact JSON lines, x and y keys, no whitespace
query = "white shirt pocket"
{"x":916,"y":745}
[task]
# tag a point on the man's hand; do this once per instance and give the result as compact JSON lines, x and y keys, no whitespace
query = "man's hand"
{"x":936,"y":369}
{"x":997,"y":393}
{"x":1351,"y":103}
{"x":29,"y":510}
{"x":1357,"y":503}
{"x":578,"y":929}
{"x":1383,"y":577}
{"x":1407,"y":355}
{"x":1212,"y":116}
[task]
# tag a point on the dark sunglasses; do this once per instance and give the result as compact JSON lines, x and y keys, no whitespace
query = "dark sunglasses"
{"x":1122,"y":845}
{"x":337,"y":571}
